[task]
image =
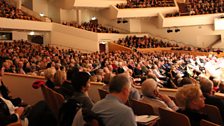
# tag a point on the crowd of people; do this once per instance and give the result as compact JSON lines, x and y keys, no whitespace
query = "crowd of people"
{"x":146,"y":4}
{"x":9,"y":11}
{"x":200,"y":7}
{"x":94,"y":27}
{"x":69,"y":72}
{"x":144,"y":42}
{"x":205,"y":7}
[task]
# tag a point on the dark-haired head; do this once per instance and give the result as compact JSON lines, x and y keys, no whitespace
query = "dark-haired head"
{"x":80,"y":81}
{"x":185,"y":81}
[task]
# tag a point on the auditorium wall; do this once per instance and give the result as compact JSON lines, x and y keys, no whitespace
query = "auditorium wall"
{"x":68,"y":15}
{"x":24,"y":24}
{"x":97,"y":3}
{"x":18,"y":35}
{"x":74,"y":37}
{"x":40,"y":6}
{"x":187,"y":34}
{"x":54,"y":13}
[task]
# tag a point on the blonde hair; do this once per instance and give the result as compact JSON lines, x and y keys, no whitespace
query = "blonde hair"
{"x":59,"y":77}
{"x":49,"y":73}
{"x":186,"y":94}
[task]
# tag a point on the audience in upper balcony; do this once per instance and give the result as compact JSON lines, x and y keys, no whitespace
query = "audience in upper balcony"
{"x":144,"y":42}
{"x":200,"y":7}
{"x":94,"y":27}
{"x":146,"y":4}
{"x":9,"y":11}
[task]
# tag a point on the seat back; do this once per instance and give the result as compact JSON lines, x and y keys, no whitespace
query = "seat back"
{"x":53,"y":99}
{"x":170,"y":118}
{"x":141,"y":108}
{"x":102,"y":93}
{"x":93,"y":122}
{"x":207,"y":123}
{"x":18,"y":123}
{"x":213,"y":113}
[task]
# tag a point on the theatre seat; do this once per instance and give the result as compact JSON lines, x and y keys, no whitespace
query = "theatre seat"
{"x":141,"y":108}
{"x":207,"y":123}
{"x":53,"y":99}
{"x":18,"y":123}
{"x":171,"y":118}
{"x":102,"y":93}
{"x":213,"y":113}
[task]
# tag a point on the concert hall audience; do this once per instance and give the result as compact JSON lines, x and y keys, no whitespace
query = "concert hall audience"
{"x":41,"y":60}
{"x":144,"y":42}
{"x":94,"y":27}
{"x":9,"y":11}
{"x":146,"y":4}
{"x":199,"y":7}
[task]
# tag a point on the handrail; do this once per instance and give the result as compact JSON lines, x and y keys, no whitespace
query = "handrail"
{"x":114,"y":46}
{"x":67,"y":47}
{"x":24,"y":75}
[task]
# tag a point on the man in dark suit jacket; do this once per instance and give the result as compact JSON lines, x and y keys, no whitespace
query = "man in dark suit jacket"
{"x":210,"y":98}
{"x":5,"y":116}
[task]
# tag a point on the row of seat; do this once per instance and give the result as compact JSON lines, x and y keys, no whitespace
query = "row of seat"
{"x":141,"y":108}
{"x":55,"y":100}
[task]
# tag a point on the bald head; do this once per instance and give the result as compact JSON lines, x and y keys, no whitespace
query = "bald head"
{"x":149,"y":86}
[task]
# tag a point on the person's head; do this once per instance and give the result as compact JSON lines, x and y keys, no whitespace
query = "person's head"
{"x":2,"y":69}
{"x":150,"y":88}
{"x":221,"y":87}
{"x":59,"y":77}
{"x":190,"y":97}
{"x":49,"y":73}
{"x":107,"y":78}
{"x":121,"y":85}
{"x":81,"y":81}
{"x":185,"y":81}
{"x":206,"y":86}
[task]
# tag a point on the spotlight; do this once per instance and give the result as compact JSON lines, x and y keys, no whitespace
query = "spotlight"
{"x":169,"y":30}
{"x":93,"y":18}
{"x":177,"y":30}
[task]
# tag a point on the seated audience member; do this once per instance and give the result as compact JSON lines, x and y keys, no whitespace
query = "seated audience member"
{"x":49,"y":75}
{"x":64,"y":86}
{"x":106,"y":80}
{"x":221,"y":87}
{"x":152,"y":96}
{"x":210,"y":98}
{"x":185,"y":81}
{"x":191,"y":100}
{"x":112,"y":109}
{"x":8,"y":112}
{"x":81,"y":84}
{"x":5,"y":91}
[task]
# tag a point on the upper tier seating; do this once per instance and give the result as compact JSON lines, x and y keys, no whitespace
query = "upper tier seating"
{"x":146,"y":3}
{"x":144,"y":42}
{"x":94,"y":27}
{"x":9,"y":11}
{"x":199,"y":7}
